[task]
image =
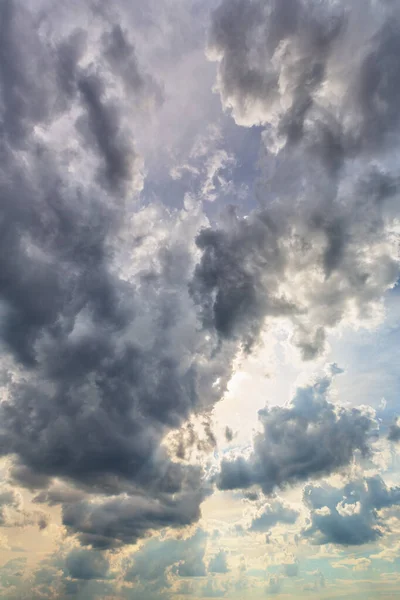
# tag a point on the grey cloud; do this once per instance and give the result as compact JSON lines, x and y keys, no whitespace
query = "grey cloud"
{"x":22,"y":101}
{"x":219,"y":563}
{"x":309,"y":439}
{"x":291,"y":569}
{"x":87,"y":564}
{"x":120,"y":53}
{"x":107,"y":359}
{"x":123,"y":520}
{"x":183,"y":557}
{"x":328,"y":187}
{"x":228,"y":434}
{"x":394,"y":432}
{"x":277,"y":61}
{"x":10,"y":572}
{"x":107,"y":135}
{"x":260,"y":267}
{"x":272,"y":514}
{"x":349,"y":515}
{"x":274,"y":585}
{"x":228,"y":283}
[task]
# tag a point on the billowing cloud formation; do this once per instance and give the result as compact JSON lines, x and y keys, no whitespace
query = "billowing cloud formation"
{"x":218,"y":564}
{"x":96,"y":318}
{"x":349,"y":515}
{"x":272,"y":514}
{"x":323,"y":247}
{"x":281,"y":64}
{"x":153,"y":562}
{"x":119,"y":318}
{"x":309,"y":439}
{"x":124,"y":519}
{"x":318,"y":263}
{"x":87,"y":564}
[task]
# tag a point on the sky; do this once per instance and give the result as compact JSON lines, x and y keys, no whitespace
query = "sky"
{"x":199,"y":299}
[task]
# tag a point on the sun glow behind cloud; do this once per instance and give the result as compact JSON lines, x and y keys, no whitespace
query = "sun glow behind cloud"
{"x":199,"y":215}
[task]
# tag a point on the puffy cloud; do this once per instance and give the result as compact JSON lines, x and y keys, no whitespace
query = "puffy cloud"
{"x":87,"y":564}
{"x":123,"y":519}
{"x":281,"y":65}
{"x":319,"y":263}
{"x":309,"y":439}
{"x":352,"y":513}
{"x":272,"y":514}
{"x":153,"y":565}
{"x":218,"y":564}
{"x":95,"y":310}
{"x":323,"y":247}
{"x":100,"y":292}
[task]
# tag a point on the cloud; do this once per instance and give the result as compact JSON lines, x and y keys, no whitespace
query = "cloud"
{"x":274,"y":585}
{"x":272,"y":514}
{"x":120,"y":318}
{"x":159,"y":562}
{"x":9,"y":499}
{"x":394,"y":432}
{"x":218,"y":564}
{"x":309,"y":439}
{"x":348,"y":516}
{"x":124,"y":519}
{"x":291,"y":569}
{"x":96,"y":319}
{"x":87,"y":564}
{"x":279,"y":65}
{"x":329,"y":184}
{"x":212,"y":590}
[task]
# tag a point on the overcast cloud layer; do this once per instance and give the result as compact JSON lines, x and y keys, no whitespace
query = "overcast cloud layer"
{"x":180,"y":182}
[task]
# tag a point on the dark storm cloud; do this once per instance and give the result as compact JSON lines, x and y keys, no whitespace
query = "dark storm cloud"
{"x":328,"y":189}
{"x":277,"y":61}
{"x":228,"y":283}
{"x":272,"y":514}
{"x":309,"y":439}
{"x":121,"y":55}
{"x":103,"y":124}
{"x":108,"y":356}
{"x":22,"y":101}
{"x":123,"y":520}
{"x":349,"y":515}
{"x":261,"y":267}
{"x":109,"y":365}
